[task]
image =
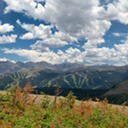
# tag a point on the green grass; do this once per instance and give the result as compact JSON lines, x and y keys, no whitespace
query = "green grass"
{"x":19,"y":110}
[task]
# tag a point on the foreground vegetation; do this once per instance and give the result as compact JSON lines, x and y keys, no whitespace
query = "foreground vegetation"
{"x":19,"y":110}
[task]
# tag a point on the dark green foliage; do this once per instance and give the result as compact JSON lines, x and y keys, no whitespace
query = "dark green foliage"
{"x":70,"y":99}
{"x":121,"y":99}
{"x":45,"y":102}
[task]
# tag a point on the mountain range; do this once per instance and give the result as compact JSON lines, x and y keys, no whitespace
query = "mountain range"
{"x":70,"y":76}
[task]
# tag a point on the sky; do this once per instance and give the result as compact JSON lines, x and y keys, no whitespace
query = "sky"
{"x":93,"y":32}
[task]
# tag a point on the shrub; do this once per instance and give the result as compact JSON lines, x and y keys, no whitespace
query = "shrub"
{"x":19,"y":110}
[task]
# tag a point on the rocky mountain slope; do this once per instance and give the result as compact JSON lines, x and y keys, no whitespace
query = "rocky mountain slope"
{"x":121,"y":88}
{"x":67,"y":75}
{"x":118,"y":94}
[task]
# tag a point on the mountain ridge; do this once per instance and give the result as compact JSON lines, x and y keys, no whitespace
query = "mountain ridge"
{"x":65,"y":75}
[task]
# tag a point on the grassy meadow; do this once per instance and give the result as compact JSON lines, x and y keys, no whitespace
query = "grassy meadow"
{"x":20,"y":109}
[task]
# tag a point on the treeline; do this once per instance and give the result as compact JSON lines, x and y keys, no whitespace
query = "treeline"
{"x":81,"y":94}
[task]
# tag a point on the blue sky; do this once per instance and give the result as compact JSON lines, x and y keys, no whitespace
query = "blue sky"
{"x":56,"y":31}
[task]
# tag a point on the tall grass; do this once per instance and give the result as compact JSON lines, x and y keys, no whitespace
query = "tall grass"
{"x":19,"y":110}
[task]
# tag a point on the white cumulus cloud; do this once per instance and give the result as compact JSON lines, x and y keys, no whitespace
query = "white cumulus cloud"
{"x":5,"y":59}
{"x":39,"y":32}
{"x":74,"y":19}
{"x":29,"y":7}
{"x":6,"y":39}
{"x":4,"y":28}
